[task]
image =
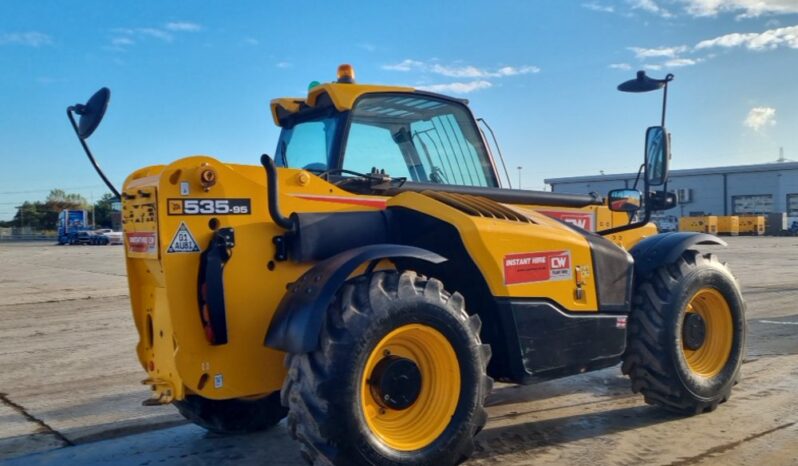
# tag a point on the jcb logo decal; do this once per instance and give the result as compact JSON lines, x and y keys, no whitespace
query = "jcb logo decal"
{"x":209,"y":206}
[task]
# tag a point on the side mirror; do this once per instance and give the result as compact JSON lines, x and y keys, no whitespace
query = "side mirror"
{"x":657,"y":155}
{"x":92,"y":113}
{"x":624,"y":200}
{"x":661,"y":200}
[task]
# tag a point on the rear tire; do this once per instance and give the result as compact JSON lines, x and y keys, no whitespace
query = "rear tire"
{"x":236,"y":416}
{"x":338,"y":415}
{"x":686,"y":339}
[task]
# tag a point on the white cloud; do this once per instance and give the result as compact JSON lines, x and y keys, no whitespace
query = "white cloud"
{"x":650,"y":6}
{"x":460,"y":71}
{"x":404,"y":65}
{"x":653,"y":67}
{"x":367,"y":47}
{"x":126,"y":37}
{"x":153,"y":33}
{"x":120,"y":41}
{"x":30,"y":39}
{"x":475,"y":78}
{"x":595,"y":6}
{"x":679,"y":62}
{"x":767,"y":40}
{"x":744,"y":8}
{"x":251,"y":41}
{"x":760,"y":117}
{"x":283,"y":64}
{"x":183,"y":26}
{"x":457,"y":87}
{"x":659,"y":52}
{"x":621,"y":66}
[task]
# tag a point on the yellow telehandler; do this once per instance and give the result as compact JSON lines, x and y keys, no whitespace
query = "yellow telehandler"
{"x":373,"y":278}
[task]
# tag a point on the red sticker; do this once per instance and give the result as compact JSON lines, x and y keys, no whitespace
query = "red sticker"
{"x":141,"y":242}
{"x":537,"y":267}
{"x":583,"y":220}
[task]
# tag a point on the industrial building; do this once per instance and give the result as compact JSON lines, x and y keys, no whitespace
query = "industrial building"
{"x":736,"y":190}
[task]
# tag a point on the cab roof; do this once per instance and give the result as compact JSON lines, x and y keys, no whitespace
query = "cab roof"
{"x":342,"y":96}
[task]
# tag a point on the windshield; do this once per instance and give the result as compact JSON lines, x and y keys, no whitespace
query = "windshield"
{"x":418,"y":137}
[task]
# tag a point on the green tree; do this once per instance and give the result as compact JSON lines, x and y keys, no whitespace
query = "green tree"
{"x":31,"y":214}
{"x":103,"y":209}
{"x":44,"y":215}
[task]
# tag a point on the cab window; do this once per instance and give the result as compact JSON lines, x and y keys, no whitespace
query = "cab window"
{"x":418,"y":137}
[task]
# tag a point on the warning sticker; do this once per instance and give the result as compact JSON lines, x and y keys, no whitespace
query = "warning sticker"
{"x":144,"y":242}
{"x":537,"y":267}
{"x":620,"y":322}
{"x":583,"y":220}
{"x":183,"y":241}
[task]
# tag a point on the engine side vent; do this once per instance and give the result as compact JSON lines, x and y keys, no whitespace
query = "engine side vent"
{"x":477,"y":206}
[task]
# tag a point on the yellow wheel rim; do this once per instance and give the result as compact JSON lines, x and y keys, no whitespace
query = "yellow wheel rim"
{"x":418,"y":425}
{"x":710,"y":358}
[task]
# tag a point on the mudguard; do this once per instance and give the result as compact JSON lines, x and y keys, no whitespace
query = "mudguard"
{"x":296,"y":324}
{"x":665,"y":248}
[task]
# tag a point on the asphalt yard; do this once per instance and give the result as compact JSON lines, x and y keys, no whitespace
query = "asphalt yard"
{"x":70,"y":389}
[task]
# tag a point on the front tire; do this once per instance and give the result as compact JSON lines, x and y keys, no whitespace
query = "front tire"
{"x":398,"y":378}
{"x":686,"y":338}
{"x":236,"y":416}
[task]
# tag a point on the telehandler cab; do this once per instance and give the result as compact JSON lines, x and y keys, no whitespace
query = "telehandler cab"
{"x":373,"y":278}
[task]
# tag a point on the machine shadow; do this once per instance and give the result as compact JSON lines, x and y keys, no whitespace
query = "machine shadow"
{"x":529,"y":436}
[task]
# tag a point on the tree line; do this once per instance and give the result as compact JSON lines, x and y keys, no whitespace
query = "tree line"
{"x":43,"y":215}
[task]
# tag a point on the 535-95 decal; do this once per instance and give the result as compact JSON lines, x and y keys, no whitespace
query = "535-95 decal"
{"x":226,"y":206}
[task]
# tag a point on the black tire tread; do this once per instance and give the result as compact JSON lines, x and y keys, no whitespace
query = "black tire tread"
{"x":305,"y":390}
{"x":236,"y":416}
{"x":645,"y":360}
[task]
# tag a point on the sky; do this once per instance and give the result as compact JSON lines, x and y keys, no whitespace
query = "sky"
{"x":190,"y":77}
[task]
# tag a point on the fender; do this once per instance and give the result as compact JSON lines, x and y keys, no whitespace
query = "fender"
{"x":296,"y":324}
{"x":665,"y":248}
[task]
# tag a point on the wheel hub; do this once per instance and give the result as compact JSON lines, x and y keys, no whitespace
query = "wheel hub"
{"x":694,"y":331}
{"x":395,"y":382}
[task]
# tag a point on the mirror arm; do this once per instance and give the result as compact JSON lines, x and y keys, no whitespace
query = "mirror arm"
{"x":100,"y":172}
{"x":639,"y":171}
{"x":646,"y":215}
{"x":667,"y":79}
{"x":630,"y":226}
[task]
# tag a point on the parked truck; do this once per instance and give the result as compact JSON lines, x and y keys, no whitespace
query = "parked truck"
{"x":74,"y":228}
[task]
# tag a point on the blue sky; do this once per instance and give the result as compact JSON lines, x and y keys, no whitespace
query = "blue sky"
{"x":193,"y":77}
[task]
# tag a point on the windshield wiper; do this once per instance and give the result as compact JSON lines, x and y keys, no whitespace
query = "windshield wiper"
{"x":377,"y":179}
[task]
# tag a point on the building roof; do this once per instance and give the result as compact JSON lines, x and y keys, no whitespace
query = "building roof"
{"x":762,"y":167}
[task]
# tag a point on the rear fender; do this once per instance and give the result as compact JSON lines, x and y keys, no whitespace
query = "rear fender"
{"x":658,"y":250}
{"x":296,"y":324}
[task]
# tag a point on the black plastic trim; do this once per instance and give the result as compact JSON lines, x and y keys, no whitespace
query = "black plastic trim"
{"x":664,"y":248}
{"x":210,"y":287}
{"x":297,"y":322}
{"x":546,"y":342}
{"x":510,"y":196}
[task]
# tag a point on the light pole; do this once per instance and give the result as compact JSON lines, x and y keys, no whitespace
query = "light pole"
{"x":519,"y":176}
